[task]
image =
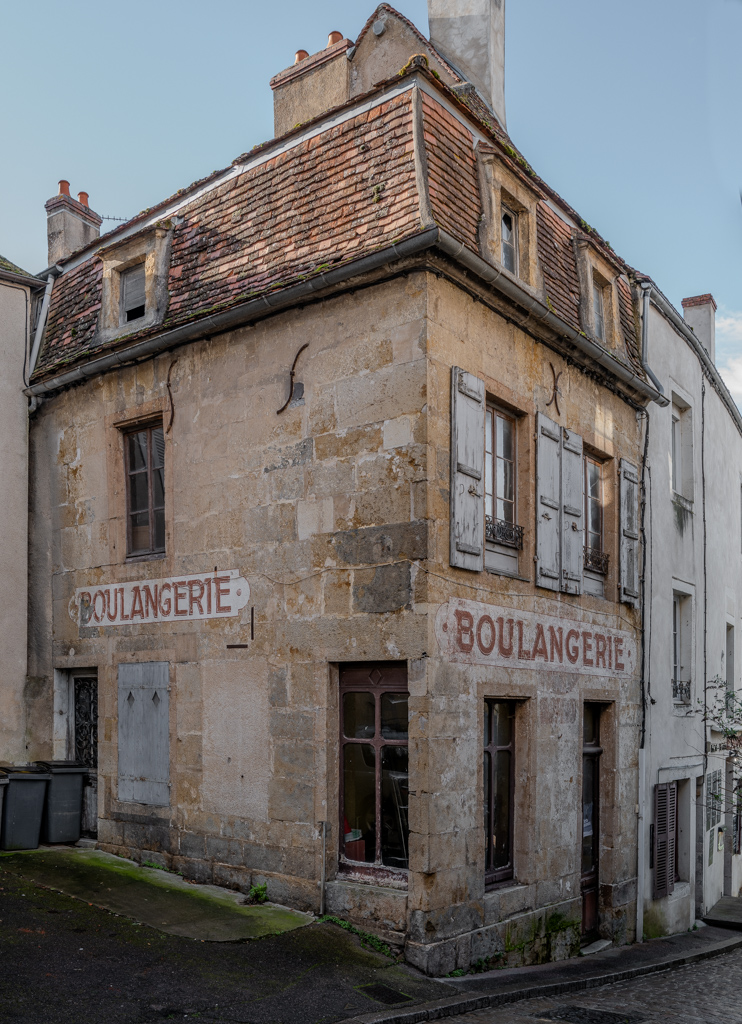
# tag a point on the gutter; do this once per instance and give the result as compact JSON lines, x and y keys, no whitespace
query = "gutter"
{"x":432,"y":238}
{"x":53,"y":272}
{"x":683,"y":329}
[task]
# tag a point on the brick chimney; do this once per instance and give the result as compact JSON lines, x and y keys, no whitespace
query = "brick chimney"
{"x":699,"y":312}
{"x":471,"y":35}
{"x":70,"y":223}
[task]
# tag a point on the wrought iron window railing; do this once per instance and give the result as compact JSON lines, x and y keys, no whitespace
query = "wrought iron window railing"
{"x":499,"y":532}
{"x":596,"y":561}
{"x":681,"y":691}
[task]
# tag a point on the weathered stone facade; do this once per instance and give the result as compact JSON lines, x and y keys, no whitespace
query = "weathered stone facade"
{"x":336,"y":511}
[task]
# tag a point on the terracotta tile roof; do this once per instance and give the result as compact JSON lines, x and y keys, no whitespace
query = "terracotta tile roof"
{"x":324,"y":200}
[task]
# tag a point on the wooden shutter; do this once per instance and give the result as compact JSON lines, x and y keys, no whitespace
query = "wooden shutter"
{"x":548,"y":503}
{"x":573,"y":531}
{"x":144,"y":733}
{"x":665,"y":836}
{"x":629,"y":534}
{"x":467,"y":470}
{"x":133,"y":282}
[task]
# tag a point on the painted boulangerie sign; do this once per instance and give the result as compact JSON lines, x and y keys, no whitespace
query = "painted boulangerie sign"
{"x":483,"y":634}
{"x":210,"y":595}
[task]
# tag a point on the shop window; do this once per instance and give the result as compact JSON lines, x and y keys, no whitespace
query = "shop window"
{"x":503,"y":535}
{"x":145,"y":490}
{"x":498,"y":789}
{"x":374,"y":759}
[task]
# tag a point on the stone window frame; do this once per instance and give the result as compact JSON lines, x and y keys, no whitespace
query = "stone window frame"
{"x":150,"y":247}
{"x":681,"y":409}
{"x":377,"y":678}
{"x":593,"y":270}
{"x":683,"y":603}
{"x":501,"y":189}
{"x":504,"y":558}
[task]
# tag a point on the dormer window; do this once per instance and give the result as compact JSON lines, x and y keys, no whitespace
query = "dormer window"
{"x":509,"y":240}
{"x":132,"y":294}
{"x":598,"y":311}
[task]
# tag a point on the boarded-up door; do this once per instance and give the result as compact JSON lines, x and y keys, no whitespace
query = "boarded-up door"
{"x":144,"y":733}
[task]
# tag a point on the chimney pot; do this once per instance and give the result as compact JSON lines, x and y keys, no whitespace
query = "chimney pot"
{"x":64,"y":188}
{"x":82,"y":197}
{"x":300,"y":56}
{"x":334,"y":37}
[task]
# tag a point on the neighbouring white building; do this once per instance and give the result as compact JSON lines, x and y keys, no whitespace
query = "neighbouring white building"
{"x":691,"y":522}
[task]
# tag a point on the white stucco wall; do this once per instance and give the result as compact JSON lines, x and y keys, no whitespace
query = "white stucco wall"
{"x":14,"y":307}
{"x":677,"y":739}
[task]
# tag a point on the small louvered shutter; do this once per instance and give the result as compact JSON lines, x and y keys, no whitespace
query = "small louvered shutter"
{"x":548,"y":502}
{"x":629,"y":539}
{"x":467,"y":470}
{"x":133,"y":285}
{"x":665,"y":823}
{"x":144,"y":733}
{"x":572,"y":513}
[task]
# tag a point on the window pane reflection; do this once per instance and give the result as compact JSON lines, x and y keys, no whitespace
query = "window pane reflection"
{"x":394,"y":806}
{"x":358,"y":715}
{"x":394,"y":716}
{"x":359,"y":780}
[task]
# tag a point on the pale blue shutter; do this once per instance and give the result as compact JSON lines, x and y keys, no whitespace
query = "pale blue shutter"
{"x":144,"y":733}
{"x":467,"y":470}
{"x":629,"y":538}
{"x":573,"y":538}
{"x":548,"y":503}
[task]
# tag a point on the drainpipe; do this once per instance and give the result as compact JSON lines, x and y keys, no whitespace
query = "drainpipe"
{"x":53,"y":274}
{"x":646,"y":295}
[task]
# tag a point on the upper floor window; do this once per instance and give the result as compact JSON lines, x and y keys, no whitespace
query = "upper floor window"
{"x":681,"y":647}
{"x":599,"y":311}
{"x":132,"y":294}
{"x":145,"y":490}
{"x":676,"y":449}
{"x":509,"y":240}
{"x":681,"y":448}
{"x":501,"y":529}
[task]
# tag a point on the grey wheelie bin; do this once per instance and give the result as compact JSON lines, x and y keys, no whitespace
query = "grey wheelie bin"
{"x":23,"y":806}
{"x":62,"y":817}
{"x":3,"y":784}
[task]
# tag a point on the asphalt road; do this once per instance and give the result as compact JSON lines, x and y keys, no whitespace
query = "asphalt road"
{"x":63,"y":961}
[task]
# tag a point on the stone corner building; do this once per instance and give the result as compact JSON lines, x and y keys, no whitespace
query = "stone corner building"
{"x":335,"y":520}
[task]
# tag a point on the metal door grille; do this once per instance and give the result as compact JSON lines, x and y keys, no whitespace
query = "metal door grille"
{"x":86,"y":721}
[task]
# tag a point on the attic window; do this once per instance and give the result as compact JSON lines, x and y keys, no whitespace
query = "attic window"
{"x":598,"y":311}
{"x":509,"y":240}
{"x":132,"y":294}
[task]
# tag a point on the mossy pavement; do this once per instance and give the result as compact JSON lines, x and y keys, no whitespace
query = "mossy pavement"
{"x":67,"y":958}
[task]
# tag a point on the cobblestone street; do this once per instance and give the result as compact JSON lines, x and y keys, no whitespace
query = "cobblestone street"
{"x":704,"y":993}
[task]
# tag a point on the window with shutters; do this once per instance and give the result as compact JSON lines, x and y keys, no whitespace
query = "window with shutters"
{"x":499,"y":727}
{"x":133,"y":302}
{"x":503,"y":535}
{"x":144,"y":733}
{"x":714,"y":799}
{"x":467,"y":470}
{"x":559,"y":507}
{"x":144,"y":450}
{"x":665,"y":838}
{"x":731,"y":706}
{"x":596,"y":557}
{"x":682,"y":624}
{"x":374,"y":794}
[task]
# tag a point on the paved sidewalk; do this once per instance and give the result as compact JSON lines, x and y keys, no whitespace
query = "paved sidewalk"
{"x":614,"y":965}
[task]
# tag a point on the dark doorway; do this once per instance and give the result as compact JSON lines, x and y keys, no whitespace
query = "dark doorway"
{"x":589,"y":880}
{"x":86,"y":746}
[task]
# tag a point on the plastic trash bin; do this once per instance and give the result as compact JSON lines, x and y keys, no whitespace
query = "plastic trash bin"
{"x":3,"y":784}
{"x":23,"y":806}
{"x":62,"y":819}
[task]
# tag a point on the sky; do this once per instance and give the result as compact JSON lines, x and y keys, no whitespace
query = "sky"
{"x":632,"y":111}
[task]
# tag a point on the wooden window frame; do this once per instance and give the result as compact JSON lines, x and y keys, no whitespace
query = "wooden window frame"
{"x":511,"y":533}
{"x":495,"y":876}
{"x":123,"y":274}
{"x":152,"y":550}
{"x":599,"y":318}
{"x":376,"y":678}
{"x":506,"y":210}
{"x":591,"y":459}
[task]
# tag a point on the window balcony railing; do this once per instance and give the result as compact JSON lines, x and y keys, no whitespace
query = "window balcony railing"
{"x":498,"y":531}
{"x":681,"y":691}
{"x":596,"y":561}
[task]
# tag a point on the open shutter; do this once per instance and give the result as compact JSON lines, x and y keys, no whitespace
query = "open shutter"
{"x":629,"y":539}
{"x":665,"y":826}
{"x":573,"y":531}
{"x":548,"y":502}
{"x":467,"y":470}
{"x":144,"y":733}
